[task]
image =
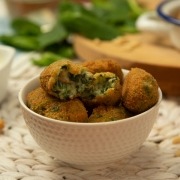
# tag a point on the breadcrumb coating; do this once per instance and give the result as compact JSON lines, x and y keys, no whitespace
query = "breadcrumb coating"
{"x":42,"y":103}
{"x":108,"y":113}
{"x":139,"y":91}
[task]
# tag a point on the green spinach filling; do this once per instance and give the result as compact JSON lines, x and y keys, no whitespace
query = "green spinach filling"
{"x":70,"y":85}
{"x":103,"y":83}
{"x":84,"y":85}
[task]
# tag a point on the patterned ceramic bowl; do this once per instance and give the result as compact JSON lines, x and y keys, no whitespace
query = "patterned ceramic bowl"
{"x":6,"y":56}
{"x":87,"y":144}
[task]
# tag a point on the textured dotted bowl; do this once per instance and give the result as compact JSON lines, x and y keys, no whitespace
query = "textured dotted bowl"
{"x":87,"y":144}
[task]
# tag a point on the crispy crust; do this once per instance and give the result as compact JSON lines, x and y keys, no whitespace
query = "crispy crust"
{"x":108,"y":113}
{"x":140,"y":90}
{"x":42,"y":103}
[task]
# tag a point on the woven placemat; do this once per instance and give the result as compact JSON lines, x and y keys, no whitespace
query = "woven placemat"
{"x":22,"y":159}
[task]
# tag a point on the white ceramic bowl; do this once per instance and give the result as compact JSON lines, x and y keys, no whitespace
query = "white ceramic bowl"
{"x":87,"y":144}
{"x":6,"y":56}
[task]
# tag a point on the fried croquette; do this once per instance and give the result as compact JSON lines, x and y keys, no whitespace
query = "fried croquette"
{"x":106,"y":90}
{"x":139,"y":91}
{"x":42,"y":103}
{"x":67,"y":80}
{"x":108,"y":113}
{"x":64,"y":79}
{"x":104,"y":65}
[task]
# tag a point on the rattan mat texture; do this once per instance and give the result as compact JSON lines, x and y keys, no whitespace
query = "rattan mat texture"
{"x":22,"y":159}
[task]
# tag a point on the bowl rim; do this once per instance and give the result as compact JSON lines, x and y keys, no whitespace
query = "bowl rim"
{"x":10,"y":52}
{"x":164,"y":15}
{"x":41,"y":117}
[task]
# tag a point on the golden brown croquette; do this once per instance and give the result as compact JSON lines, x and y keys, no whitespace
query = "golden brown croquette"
{"x":42,"y":103}
{"x":108,"y":113}
{"x":64,"y":79}
{"x":139,"y":91}
{"x":67,"y":80}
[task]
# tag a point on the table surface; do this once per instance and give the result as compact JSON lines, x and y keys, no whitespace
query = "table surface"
{"x":22,"y":159}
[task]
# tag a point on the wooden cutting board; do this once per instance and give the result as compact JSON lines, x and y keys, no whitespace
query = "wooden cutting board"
{"x":156,"y":55}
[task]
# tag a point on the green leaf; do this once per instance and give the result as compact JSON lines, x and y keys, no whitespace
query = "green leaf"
{"x":46,"y":59}
{"x":22,"y":42}
{"x":71,"y":6}
{"x":112,"y":11}
{"x":135,"y":7}
{"x":23,"y":26}
{"x":67,"y":51}
{"x":76,"y":22}
{"x":57,"y":34}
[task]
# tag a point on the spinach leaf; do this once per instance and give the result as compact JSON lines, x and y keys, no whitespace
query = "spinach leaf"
{"x":76,"y":18}
{"x":120,"y":13}
{"x":46,"y":59}
{"x":23,"y":26}
{"x":19,"y":41}
{"x":77,"y":22}
{"x":71,"y":6}
{"x":112,"y":11}
{"x":57,"y":34}
{"x":67,"y":51}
